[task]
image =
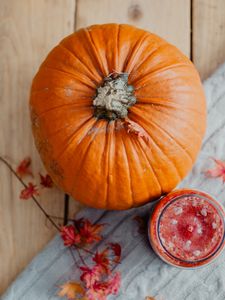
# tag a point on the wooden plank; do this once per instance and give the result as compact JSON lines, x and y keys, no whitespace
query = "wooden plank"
{"x":167,"y":18}
{"x":208,"y":35}
{"x":28,"y":30}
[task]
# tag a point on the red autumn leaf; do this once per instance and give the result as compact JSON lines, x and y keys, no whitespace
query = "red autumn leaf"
{"x":101,"y":259}
{"x":133,"y":127}
{"x":23,"y":168}
{"x":72,"y":290}
{"x":90,"y":275}
{"x":101,"y":289}
{"x":90,"y":232}
{"x":30,"y":191}
{"x":116,"y":248}
{"x":46,"y":181}
{"x":70,"y":236}
{"x":218,"y":171}
{"x":114,"y":284}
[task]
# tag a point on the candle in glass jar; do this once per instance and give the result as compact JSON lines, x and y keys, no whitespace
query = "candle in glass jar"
{"x":186,"y":228}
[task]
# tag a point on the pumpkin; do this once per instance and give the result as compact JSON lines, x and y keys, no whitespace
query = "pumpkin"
{"x":118,"y":115}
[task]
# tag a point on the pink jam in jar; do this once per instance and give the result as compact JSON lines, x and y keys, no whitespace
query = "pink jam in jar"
{"x":186,"y":228}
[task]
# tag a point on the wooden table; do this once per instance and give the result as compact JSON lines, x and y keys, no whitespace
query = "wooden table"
{"x":28,"y":30}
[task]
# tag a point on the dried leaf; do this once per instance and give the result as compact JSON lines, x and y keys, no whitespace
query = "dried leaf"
{"x":149,"y":298}
{"x":114,"y":284}
{"x":23,"y":168}
{"x":116,"y":248}
{"x":218,"y":171}
{"x":29,"y":191}
{"x":101,"y":289}
{"x":46,"y":181}
{"x":90,"y":275}
{"x":90,"y":232}
{"x":133,"y":127}
{"x":72,"y":290}
{"x":70,"y":236}
{"x":101,"y":259}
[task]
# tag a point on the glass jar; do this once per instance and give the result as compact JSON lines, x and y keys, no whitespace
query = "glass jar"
{"x":186,"y":228}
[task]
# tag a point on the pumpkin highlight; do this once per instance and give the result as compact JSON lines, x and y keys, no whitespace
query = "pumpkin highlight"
{"x":118,"y":115}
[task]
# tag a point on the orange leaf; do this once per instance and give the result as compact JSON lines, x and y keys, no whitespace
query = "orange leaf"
{"x":23,"y":168}
{"x":149,"y":298}
{"x":218,"y":171}
{"x":30,"y":191}
{"x":72,"y":290}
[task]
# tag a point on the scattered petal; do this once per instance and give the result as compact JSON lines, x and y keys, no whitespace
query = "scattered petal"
{"x":30,"y":191}
{"x":218,"y":171}
{"x":23,"y":168}
{"x":46,"y":181}
{"x":72,"y":290}
{"x":70,"y":236}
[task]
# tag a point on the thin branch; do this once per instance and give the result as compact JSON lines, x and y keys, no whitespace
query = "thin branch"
{"x":33,"y":197}
{"x":80,"y":256}
{"x":74,"y":258}
{"x":85,"y":250}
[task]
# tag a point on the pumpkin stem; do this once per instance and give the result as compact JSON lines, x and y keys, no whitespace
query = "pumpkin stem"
{"x":114,"y":97}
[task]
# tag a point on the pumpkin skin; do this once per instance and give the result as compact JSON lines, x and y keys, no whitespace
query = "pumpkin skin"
{"x":99,"y":162}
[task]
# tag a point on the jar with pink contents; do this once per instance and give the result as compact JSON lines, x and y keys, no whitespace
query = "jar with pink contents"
{"x":187,"y":228}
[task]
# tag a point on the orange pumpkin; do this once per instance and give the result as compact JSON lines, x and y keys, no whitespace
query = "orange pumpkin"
{"x":118,"y":115}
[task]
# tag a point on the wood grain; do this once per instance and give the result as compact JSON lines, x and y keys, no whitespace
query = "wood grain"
{"x":208,"y":35}
{"x":168,"y":18}
{"x":28,"y":30}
